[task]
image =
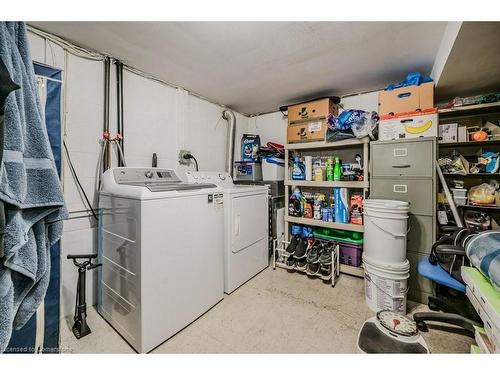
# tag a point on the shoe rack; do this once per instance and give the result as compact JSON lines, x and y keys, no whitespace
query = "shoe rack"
{"x":326,"y":272}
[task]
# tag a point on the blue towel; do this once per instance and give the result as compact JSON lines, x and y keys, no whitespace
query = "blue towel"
{"x":30,"y":188}
{"x":484,"y":254}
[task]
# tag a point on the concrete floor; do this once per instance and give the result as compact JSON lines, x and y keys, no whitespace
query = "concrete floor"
{"x":275,"y":312}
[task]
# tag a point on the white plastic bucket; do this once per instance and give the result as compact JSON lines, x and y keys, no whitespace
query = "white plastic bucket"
{"x":386,"y":286}
{"x":386,"y":226}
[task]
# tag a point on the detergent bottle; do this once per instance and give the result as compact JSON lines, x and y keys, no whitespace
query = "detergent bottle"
{"x":298,"y":169}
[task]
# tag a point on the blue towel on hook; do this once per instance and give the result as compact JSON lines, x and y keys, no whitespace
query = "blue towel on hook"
{"x":30,"y":188}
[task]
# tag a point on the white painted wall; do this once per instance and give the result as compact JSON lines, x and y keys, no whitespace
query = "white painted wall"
{"x":366,"y":102}
{"x":270,"y":127}
{"x":448,"y":40}
{"x":162,"y":119}
{"x":157,"y":118}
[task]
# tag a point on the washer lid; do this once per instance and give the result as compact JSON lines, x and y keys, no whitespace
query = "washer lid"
{"x":397,"y":323}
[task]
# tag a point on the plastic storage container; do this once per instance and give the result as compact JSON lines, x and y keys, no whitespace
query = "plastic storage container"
{"x":350,"y":254}
{"x":459,"y":193}
{"x":340,"y":235}
{"x":273,"y":169}
{"x":459,"y":201}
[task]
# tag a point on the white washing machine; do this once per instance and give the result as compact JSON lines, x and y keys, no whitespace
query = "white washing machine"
{"x":246,"y":223}
{"x":161,"y":245}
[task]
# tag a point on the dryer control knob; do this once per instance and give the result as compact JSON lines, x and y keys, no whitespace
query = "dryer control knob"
{"x":148,"y":174}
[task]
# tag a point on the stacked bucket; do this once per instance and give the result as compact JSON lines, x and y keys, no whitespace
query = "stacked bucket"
{"x":384,"y":254}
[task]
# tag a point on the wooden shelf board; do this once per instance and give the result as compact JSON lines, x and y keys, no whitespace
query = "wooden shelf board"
{"x":324,"y":144}
{"x":485,"y":175}
{"x":469,"y":144}
{"x":324,"y":224}
{"x":478,"y":207}
{"x":329,"y":184}
{"x":470,"y":108}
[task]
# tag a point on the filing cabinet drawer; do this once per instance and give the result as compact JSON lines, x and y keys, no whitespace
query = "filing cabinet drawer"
{"x":409,"y":159}
{"x":416,"y":281}
{"x":419,"y":193}
{"x":421,"y":233}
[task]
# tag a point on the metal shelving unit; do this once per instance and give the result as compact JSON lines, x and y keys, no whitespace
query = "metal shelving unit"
{"x":315,"y":147}
{"x":469,"y":149}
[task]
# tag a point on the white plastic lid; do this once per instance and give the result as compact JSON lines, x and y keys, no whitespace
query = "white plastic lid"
{"x":386,"y":203}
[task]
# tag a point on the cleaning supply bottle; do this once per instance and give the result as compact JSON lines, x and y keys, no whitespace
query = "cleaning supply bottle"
{"x":329,"y":170}
{"x":298,"y":169}
{"x":341,"y":205}
{"x":337,"y":170}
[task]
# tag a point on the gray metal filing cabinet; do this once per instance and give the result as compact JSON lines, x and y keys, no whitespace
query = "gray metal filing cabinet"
{"x":405,"y":170}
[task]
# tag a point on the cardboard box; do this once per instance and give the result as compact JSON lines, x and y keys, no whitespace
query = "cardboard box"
{"x":409,"y":125}
{"x":448,"y":133}
{"x":315,"y":110}
{"x":463,"y":135}
{"x":307,"y":131}
{"x":406,"y":99}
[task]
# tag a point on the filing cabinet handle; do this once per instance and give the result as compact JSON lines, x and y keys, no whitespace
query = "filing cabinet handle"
{"x":402,"y":166}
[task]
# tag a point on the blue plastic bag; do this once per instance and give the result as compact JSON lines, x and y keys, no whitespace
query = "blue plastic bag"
{"x":412,"y":79}
{"x":350,"y":124}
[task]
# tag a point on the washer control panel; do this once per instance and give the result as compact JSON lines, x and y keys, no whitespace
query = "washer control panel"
{"x":218,"y":178}
{"x":129,"y":176}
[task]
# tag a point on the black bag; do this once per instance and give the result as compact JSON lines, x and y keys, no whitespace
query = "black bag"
{"x":452,"y":263}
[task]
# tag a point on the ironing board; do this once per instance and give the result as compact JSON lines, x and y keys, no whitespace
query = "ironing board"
{"x":486,"y":300}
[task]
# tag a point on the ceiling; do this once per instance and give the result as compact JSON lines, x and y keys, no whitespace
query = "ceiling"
{"x":473,"y":65}
{"x":255,"y":67}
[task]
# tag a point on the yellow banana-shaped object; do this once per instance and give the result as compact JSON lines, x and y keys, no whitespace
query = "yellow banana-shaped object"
{"x":418,"y":129}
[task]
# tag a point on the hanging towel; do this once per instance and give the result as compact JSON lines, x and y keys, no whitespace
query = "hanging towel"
{"x":30,"y":188}
{"x":6,"y":87}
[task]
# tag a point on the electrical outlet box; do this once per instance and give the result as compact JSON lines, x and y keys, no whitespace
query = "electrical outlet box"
{"x":183,"y":161}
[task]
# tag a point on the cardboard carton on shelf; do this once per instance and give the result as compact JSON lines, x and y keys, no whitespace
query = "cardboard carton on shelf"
{"x":308,"y":131}
{"x":406,"y":99}
{"x":448,"y":133}
{"x":409,"y":125}
{"x":313,"y":110}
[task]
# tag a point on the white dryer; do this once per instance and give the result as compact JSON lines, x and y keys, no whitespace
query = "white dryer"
{"x":160,"y":243}
{"x":246,"y":223}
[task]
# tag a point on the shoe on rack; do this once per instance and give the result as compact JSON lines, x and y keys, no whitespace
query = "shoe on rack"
{"x":314,"y":252}
{"x":290,"y":262}
{"x":290,"y":249}
{"x":326,"y":253}
{"x":301,"y":249}
{"x":301,"y":265}
{"x":325,"y":271}
{"x":313,"y":268}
